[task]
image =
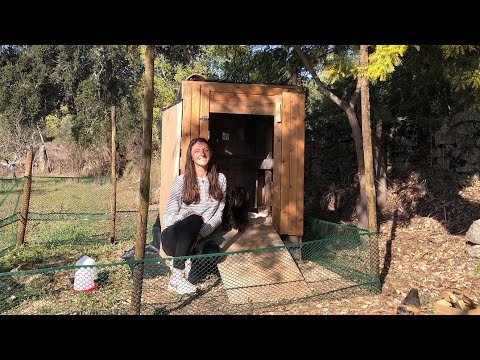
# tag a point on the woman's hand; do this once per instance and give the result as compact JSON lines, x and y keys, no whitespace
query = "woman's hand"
{"x":195,"y":243}
{"x":191,"y":212}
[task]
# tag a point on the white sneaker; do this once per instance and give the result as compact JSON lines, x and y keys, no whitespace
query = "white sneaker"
{"x":188,"y":267}
{"x":179,"y":284}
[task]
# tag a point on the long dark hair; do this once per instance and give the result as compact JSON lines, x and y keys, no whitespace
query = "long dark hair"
{"x":191,"y":192}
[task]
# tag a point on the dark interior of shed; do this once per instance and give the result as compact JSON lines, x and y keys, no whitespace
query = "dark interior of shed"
{"x":243,"y":145}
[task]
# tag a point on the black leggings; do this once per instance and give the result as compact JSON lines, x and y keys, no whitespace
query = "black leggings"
{"x":178,"y":238}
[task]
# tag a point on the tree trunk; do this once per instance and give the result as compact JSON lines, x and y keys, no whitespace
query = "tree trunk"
{"x":361,"y":208}
{"x":379,"y":159}
{"x":144,"y":191}
{"x":44,"y":163}
{"x":27,"y":188}
{"x":42,"y":159}
{"x":113,"y":175}
{"x":349,"y":109}
{"x":367,"y":142}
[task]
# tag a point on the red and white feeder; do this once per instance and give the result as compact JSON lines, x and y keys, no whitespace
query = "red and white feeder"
{"x":85,"y":277}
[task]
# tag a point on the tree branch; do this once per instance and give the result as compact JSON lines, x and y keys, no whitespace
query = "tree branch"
{"x":323,"y":88}
{"x":354,"y":98}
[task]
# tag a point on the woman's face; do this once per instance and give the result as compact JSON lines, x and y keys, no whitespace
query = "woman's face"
{"x":200,"y":153}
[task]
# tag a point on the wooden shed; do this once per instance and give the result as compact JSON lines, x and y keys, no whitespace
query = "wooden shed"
{"x":257,"y":133}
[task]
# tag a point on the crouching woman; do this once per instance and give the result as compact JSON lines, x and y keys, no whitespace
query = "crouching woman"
{"x":194,"y":209}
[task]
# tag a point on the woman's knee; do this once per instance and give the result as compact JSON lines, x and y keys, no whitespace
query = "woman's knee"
{"x":168,"y":242}
{"x":194,"y":220}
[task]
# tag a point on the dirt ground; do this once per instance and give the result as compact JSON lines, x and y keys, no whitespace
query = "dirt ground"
{"x":421,"y":246}
{"x":426,"y":259}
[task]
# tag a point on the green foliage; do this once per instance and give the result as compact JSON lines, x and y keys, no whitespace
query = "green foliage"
{"x":336,"y":63}
{"x":92,"y":117}
{"x":384,"y":60}
{"x":67,"y":90}
{"x":463,"y":71}
{"x":59,"y":124}
{"x":454,"y":51}
{"x":73,"y":65}
{"x":338,"y":66}
{"x":116,"y":70}
{"x":31,"y":90}
{"x":417,"y":91}
{"x":38,"y":80}
{"x":267,"y":64}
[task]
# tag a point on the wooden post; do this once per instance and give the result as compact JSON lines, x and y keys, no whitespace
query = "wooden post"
{"x":367,"y":151}
{"x":296,"y":252}
{"x":144,"y":191}
{"x":268,"y":191}
{"x":113,"y":176}
{"x":27,"y":188}
{"x":269,"y":184}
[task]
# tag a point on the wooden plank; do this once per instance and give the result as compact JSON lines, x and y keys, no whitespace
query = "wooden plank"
{"x":443,"y":307}
{"x":468,"y":302}
{"x":321,"y":280}
{"x":195,"y":117}
{"x":187,"y":113}
{"x":285,"y":158}
{"x":268,"y":190}
{"x":242,"y":108}
{"x":277,"y":156}
{"x":473,"y":312}
{"x":240,"y":98}
{"x":170,"y":155}
{"x":204,"y":111}
{"x":300,"y":126}
{"x":260,"y":184}
{"x":253,"y":89}
{"x":259,"y":277}
{"x":293,"y":161}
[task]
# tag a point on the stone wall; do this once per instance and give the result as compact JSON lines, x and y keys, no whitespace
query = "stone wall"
{"x":457,"y":145}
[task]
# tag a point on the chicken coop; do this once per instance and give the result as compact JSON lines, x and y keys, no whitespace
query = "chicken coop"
{"x":257,"y":134}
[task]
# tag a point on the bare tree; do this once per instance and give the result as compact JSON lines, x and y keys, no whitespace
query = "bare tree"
{"x":349,"y":108}
{"x":144,"y":191}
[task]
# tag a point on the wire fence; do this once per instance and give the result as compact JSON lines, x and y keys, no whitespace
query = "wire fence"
{"x":10,"y":199}
{"x":240,"y":282}
{"x":69,"y":217}
{"x":73,"y":209}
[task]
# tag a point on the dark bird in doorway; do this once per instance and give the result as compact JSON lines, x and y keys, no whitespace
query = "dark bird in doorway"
{"x":235,"y":214}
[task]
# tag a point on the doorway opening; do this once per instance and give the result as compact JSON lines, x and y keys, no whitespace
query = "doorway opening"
{"x":243,"y":148}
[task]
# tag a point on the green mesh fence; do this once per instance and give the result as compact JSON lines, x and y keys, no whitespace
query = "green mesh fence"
{"x":70,"y":218}
{"x":341,"y":248}
{"x":10,"y":199}
{"x":76,"y":210}
{"x":333,"y":262}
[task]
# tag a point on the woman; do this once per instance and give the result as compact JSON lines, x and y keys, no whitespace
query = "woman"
{"x":194,"y":209}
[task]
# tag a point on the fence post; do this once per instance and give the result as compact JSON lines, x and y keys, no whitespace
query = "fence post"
{"x":113,"y":176}
{"x":144,"y":191}
{"x":27,"y":187}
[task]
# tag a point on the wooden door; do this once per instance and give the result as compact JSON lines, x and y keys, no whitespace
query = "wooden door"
{"x":170,"y":156}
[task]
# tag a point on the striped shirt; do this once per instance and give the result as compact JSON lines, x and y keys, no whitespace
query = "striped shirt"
{"x":210,"y":209}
